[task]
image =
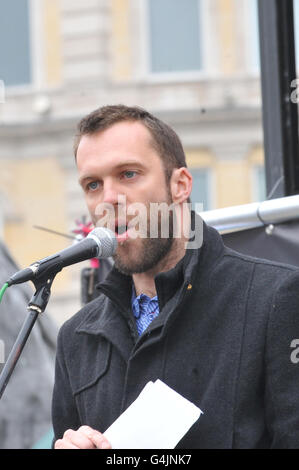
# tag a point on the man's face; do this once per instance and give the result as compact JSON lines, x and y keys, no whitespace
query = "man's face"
{"x":121,"y":164}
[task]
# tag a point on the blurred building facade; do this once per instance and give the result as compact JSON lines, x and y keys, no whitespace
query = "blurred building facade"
{"x":194,"y":63}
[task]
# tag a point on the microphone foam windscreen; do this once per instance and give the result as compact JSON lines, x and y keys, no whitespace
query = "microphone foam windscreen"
{"x":106,"y":240}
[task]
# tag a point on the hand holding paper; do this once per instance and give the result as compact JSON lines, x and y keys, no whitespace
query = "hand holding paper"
{"x":157,"y":419}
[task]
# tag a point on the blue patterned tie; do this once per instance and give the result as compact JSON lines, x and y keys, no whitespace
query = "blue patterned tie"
{"x":145,"y":310}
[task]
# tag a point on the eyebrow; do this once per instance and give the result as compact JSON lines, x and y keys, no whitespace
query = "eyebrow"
{"x":116,"y":167}
{"x":83,"y":179}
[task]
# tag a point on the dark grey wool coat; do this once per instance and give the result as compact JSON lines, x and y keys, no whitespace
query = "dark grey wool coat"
{"x":222,"y":340}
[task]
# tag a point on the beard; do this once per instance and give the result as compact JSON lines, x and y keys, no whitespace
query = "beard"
{"x":143,"y":254}
{"x":151,"y":252}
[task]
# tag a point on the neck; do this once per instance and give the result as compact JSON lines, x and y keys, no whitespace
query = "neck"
{"x":145,"y":282}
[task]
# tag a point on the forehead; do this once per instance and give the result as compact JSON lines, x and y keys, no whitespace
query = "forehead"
{"x":121,"y":140}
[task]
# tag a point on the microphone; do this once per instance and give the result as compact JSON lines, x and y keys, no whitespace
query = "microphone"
{"x":99,"y":243}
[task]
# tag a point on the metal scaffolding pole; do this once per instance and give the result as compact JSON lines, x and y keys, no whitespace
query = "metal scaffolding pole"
{"x":257,"y":214}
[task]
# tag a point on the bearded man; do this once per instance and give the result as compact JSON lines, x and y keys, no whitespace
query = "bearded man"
{"x":214,"y":325}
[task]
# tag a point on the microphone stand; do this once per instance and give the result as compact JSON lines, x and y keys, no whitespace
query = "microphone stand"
{"x":36,"y":306}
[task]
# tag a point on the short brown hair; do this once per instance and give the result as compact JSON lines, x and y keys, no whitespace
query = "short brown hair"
{"x":164,"y":138}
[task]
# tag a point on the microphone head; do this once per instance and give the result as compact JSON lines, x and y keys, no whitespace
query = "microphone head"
{"x":106,"y":241}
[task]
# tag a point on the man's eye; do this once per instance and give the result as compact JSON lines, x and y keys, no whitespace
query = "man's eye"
{"x":129,"y":174}
{"x":93,"y":185}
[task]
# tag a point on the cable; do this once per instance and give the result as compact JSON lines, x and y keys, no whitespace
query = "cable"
{"x":3,"y":289}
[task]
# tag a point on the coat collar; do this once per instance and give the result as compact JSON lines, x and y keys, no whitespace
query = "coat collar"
{"x":117,"y":288}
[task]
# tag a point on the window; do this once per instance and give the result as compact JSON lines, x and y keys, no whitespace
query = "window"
{"x":174,"y":35}
{"x":201,"y":188}
{"x":15,"y":60}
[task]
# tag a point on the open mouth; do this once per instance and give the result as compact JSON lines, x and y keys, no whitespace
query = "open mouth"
{"x":121,"y":232}
{"x":121,"y":229}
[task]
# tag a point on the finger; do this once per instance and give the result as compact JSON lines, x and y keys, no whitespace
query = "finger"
{"x":79,"y":439}
{"x":96,"y":437}
{"x":63,"y":444}
{"x":100,"y":441}
{"x":87,"y":430}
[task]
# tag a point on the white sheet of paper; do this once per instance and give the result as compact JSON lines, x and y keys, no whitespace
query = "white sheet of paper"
{"x":157,"y":419}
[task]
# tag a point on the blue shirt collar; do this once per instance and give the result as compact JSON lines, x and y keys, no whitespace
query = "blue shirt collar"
{"x":135,"y":301}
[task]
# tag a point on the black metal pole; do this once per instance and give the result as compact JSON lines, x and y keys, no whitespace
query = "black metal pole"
{"x":17,"y":350}
{"x":280,"y":114}
{"x":36,"y":306}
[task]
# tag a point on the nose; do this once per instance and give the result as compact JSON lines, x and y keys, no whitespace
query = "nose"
{"x":113,"y":196}
{"x":110,"y":193}
{"x":111,"y":205}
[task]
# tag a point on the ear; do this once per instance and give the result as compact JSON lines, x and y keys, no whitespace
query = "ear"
{"x":180,"y":185}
